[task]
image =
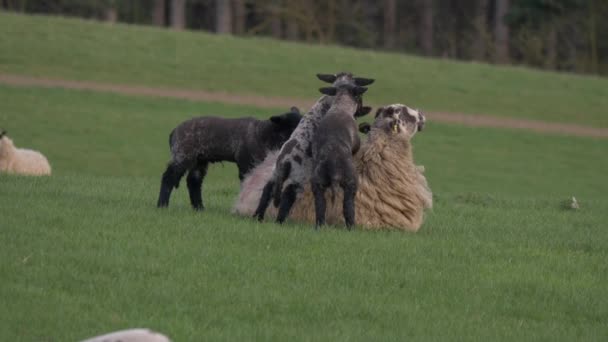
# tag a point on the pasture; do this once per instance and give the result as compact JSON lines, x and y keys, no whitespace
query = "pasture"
{"x":85,"y":251}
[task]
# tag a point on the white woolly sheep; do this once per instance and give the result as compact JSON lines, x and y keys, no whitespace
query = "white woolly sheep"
{"x":392,"y":191}
{"x":21,"y":161}
{"x":130,"y":335}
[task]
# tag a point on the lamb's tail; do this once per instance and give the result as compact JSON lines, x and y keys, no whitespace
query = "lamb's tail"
{"x":330,"y":175}
{"x":171,"y":138}
{"x":283,"y":174}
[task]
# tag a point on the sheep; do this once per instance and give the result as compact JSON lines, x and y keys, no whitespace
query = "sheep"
{"x":333,"y":146}
{"x":392,"y":191}
{"x":130,"y":335}
{"x":21,"y":161}
{"x":199,"y":141}
{"x":294,"y":162}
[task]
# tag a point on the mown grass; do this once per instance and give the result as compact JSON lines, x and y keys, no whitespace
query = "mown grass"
{"x":85,"y":251}
{"x":76,"y":49}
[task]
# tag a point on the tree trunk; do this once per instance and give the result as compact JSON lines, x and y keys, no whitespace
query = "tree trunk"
{"x":593,"y":38}
{"x":238,"y":7}
{"x":481,"y":35}
{"x":390,"y":23}
{"x":178,"y":14}
{"x":551,"y":61}
{"x":292,"y":27}
{"x":275,"y":19}
{"x":293,"y":32}
{"x":110,"y":14}
{"x":426,"y":31}
{"x":158,"y":13}
{"x":501,"y":32}
{"x":223,"y":17}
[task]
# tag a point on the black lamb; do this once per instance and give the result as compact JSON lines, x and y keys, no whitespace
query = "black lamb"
{"x":333,"y":146}
{"x":199,"y":141}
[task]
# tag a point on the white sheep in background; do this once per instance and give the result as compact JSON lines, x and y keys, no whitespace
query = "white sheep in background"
{"x":393,"y":192}
{"x":21,"y":161}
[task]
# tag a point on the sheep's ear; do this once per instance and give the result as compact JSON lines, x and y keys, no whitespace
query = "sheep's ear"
{"x":330,"y":91}
{"x":294,"y":110}
{"x":361,"y":81}
{"x":365,"y":127}
{"x":359,"y":90}
{"x":327,"y":78}
{"x":378,"y":111}
{"x":363,"y":111}
{"x":421,"y":122}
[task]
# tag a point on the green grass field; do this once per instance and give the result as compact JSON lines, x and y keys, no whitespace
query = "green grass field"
{"x":85,"y":251}
{"x":75,"y":49}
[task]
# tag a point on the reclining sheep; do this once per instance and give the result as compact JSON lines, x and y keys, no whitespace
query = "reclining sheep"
{"x":21,"y":161}
{"x":294,"y":162}
{"x":392,"y":190}
{"x":199,"y":141}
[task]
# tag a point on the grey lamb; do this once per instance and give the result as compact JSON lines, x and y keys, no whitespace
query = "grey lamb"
{"x":294,"y":163}
{"x":333,"y":146}
{"x":199,"y":141}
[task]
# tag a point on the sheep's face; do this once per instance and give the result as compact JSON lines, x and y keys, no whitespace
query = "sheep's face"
{"x":285,"y":124}
{"x":406,"y":119}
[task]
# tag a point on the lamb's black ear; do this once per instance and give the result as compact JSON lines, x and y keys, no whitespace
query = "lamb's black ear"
{"x":329,"y":78}
{"x":365,"y":127}
{"x":359,"y":90}
{"x":2,"y":133}
{"x":277,"y":119}
{"x":294,"y":110}
{"x":330,"y":91}
{"x":363,"y":111}
{"x":378,"y":111}
{"x":361,"y":81}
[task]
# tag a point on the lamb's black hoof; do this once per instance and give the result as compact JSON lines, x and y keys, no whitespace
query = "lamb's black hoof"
{"x":199,"y":208}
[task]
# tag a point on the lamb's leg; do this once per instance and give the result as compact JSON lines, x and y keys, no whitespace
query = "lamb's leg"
{"x":169,"y":180}
{"x":264,"y":201}
{"x":319,"y":194}
{"x":195,"y":183}
{"x":288,"y":198}
{"x":348,"y":206}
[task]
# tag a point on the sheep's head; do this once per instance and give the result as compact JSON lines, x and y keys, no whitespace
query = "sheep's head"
{"x":286,"y":123}
{"x":2,"y":133}
{"x":410,"y":120}
{"x":348,"y":78}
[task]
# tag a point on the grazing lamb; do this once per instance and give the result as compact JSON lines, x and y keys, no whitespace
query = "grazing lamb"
{"x":392,"y":191}
{"x":199,"y":141}
{"x":21,"y":161}
{"x":294,"y":162}
{"x":333,"y":146}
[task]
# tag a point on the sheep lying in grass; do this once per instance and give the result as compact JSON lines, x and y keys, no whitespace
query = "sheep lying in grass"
{"x":294,"y":162}
{"x":199,"y":141}
{"x":333,"y":146}
{"x":130,"y":335}
{"x":21,"y":161}
{"x":392,"y":191}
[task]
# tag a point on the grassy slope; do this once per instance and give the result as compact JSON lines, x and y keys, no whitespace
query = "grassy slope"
{"x":85,"y":251}
{"x":74,"y":49}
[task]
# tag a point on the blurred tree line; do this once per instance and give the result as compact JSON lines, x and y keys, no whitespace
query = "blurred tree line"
{"x":567,"y":35}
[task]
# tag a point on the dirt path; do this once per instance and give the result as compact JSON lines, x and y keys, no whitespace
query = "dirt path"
{"x":278,"y":102}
